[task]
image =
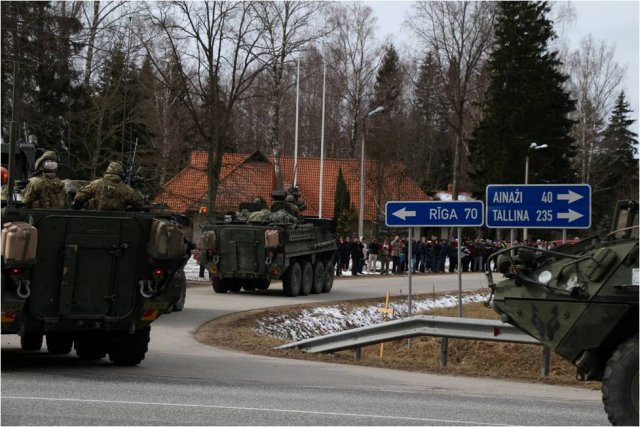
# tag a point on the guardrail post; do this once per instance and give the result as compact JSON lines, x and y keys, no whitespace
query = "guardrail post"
{"x":357,"y":353}
{"x":546,"y":360}
{"x":444,"y":351}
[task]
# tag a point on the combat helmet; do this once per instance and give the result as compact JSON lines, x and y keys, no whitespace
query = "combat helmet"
{"x":47,"y":155}
{"x":290,"y":198}
{"x":115,"y":168}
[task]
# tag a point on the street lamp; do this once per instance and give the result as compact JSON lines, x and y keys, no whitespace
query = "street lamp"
{"x":364,"y":133}
{"x":533,"y":146}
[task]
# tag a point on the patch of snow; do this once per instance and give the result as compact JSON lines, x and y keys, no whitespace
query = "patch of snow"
{"x":316,"y":321}
{"x":192,"y":271}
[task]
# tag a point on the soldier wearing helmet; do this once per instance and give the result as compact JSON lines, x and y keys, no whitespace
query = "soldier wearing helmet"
{"x":109,"y":193}
{"x":45,"y":190}
{"x":293,"y":206}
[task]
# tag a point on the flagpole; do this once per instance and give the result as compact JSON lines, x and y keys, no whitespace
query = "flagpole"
{"x":295,"y":155}
{"x":324,"y":86}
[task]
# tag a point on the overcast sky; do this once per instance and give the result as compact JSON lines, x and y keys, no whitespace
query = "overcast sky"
{"x":612,"y":21}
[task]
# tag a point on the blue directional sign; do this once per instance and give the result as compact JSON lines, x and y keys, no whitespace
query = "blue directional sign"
{"x":434,"y":214}
{"x":539,"y":206}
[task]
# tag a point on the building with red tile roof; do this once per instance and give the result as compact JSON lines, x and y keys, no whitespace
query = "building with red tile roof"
{"x":244,"y":176}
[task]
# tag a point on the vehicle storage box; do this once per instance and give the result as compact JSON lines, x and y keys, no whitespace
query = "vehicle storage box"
{"x":165,"y":240}
{"x":19,"y":241}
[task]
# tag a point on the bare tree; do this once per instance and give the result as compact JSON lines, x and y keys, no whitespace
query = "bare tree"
{"x":595,"y":81}
{"x":286,"y":28}
{"x":215,"y":45}
{"x":353,"y":58}
{"x":458,"y":34}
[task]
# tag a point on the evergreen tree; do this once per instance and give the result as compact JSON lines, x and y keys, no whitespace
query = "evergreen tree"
{"x":341,"y":199}
{"x":430,"y":166}
{"x":615,"y":167}
{"x":37,"y":72}
{"x":526,"y":103}
{"x":383,"y":137}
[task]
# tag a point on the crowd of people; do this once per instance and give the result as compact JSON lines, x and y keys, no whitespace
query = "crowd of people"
{"x":435,"y":255}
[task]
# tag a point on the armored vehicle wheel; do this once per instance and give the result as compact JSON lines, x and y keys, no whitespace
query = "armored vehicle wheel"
{"x":328,"y":276}
{"x":262,"y":284}
{"x":31,"y":341}
{"x":307,"y":278}
{"x":292,"y":280}
{"x":219,"y":285}
{"x":59,"y":344}
{"x":90,"y":347}
{"x":620,"y":384}
{"x":127,"y":349}
{"x":235,"y":285}
{"x":182,"y":282}
{"x":318,"y":277}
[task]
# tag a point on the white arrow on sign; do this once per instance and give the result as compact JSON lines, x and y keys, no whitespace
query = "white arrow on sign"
{"x":571,"y":215}
{"x":570,"y":196}
{"x":403,"y":214}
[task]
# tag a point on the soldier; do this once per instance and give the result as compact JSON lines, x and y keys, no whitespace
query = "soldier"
{"x":109,"y":193}
{"x":291,"y":201}
{"x":45,"y":190}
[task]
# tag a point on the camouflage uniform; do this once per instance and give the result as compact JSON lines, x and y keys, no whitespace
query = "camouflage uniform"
{"x":45,"y":190}
{"x":109,"y":193}
{"x":295,"y":210}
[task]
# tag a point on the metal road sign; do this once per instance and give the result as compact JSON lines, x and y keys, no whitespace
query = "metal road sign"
{"x":434,"y":214}
{"x":539,"y":206}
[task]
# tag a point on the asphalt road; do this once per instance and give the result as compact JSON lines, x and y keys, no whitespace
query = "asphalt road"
{"x":183,"y":382}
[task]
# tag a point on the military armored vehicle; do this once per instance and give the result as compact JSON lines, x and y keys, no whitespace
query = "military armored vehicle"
{"x":93,"y":280}
{"x":249,"y":253}
{"x":581,"y":301}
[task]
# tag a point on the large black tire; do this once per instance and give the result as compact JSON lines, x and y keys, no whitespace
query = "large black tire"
{"x":249,"y":285}
{"x":620,"y":384}
{"x":182,"y":282}
{"x":318,"y":277}
{"x":219,"y":286}
{"x":307,"y":278}
{"x":59,"y":343}
{"x":127,"y":349}
{"x":31,"y":341}
{"x":292,"y":280}
{"x":328,"y":276}
{"x":91,"y":346}
{"x":235,"y":285}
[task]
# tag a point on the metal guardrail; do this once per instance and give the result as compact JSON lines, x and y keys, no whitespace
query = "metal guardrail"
{"x":435,"y":326}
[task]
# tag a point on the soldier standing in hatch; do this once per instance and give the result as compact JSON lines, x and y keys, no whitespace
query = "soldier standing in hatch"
{"x":109,"y":193}
{"x":45,"y":190}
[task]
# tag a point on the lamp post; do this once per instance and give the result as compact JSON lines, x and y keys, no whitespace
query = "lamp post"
{"x":364,"y":133}
{"x":533,"y":146}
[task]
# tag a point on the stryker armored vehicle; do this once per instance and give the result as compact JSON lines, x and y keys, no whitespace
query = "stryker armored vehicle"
{"x":581,"y":301}
{"x":250,"y":251}
{"x":93,"y":280}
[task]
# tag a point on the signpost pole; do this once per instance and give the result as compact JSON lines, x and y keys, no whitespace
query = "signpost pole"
{"x":564,"y":236}
{"x":410,"y":268}
{"x":459,"y":272}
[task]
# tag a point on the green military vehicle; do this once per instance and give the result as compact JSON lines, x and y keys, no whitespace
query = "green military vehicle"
{"x":249,"y":253}
{"x":581,"y":301}
{"x":93,"y":280}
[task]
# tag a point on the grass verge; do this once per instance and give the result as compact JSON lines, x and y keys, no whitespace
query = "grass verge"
{"x":466,"y":357}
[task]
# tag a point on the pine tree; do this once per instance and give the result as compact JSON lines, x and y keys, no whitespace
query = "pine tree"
{"x":341,"y":199}
{"x":431,"y":163}
{"x":526,"y":103}
{"x":382,"y":135}
{"x":615,"y":167}
{"x":37,"y":71}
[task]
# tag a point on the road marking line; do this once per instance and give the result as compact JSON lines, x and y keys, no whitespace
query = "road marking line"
{"x":243,"y":408}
